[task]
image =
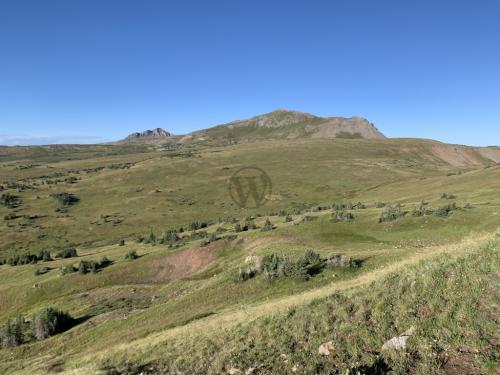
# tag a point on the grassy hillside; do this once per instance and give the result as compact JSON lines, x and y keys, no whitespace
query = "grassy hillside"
{"x":171,"y":302}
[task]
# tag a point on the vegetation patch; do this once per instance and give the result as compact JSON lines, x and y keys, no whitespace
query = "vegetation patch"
{"x":42,"y":325}
{"x":65,"y":199}
{"x":391,"y":213}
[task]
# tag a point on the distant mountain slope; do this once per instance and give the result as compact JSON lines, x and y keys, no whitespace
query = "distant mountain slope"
{"x":157,"y":134}
{"x":282,"y":124}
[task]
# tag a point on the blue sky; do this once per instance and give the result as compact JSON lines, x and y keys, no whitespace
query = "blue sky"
{"x":91,"y":70}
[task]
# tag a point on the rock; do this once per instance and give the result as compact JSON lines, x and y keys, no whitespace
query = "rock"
{"x":326,"y":349}
{"x":250,"y":371}
{"x":283,"y":358}
{"x":233,"y":371}
{"x":398,"y":342}
{"x":295,"y":368}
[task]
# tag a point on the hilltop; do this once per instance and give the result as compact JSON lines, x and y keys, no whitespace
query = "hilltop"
{"x":279,"y":124}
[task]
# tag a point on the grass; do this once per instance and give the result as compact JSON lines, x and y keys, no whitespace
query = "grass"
{"x":125,"y":193}
{"x":450,"y":300}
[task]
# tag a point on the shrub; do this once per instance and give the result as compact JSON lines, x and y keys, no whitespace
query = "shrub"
{"x":341,"y":261}
{"x":198,"y":235}
{"x":445,"y":210}
{"x":121,"y":243}
{"x":170,"y":236}
{"x":86,"y":266}
{"x":267,"y":226}
{"x":49,"y":322}
{"x":379,"y":204}
{"x":250,"y":224}
{"x":131,"y":255}
{"x":338,"y":216}
{"x":41,"y":271}
{"x":19,"y":260}
{"x":447,"y":196}
{"x":66,"y":270}
{"x":69,"y":252}
{"x":422,"y":210}
{"x":10,"y":201}
{"x":10,"y":216}
{"x":342,"y":206}
{"x":288,"y":219}
{"x":195,"y":225}
{"x":359,"y":206}
{"x":237,"y":228}
{"x":45,"y":323}
{"x":245,"y":275}
{"x":391,"y":213}
{"x":13,"y":332}
{"x":65,"y":199}
{"x":45,"y":256}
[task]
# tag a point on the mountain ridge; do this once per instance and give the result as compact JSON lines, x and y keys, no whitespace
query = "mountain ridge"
{"x":278,"y":124}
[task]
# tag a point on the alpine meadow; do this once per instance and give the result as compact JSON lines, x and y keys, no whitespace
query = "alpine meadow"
{"x":286,"y":242}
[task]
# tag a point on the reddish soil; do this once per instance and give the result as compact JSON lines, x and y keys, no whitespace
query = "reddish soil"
{"x":182,"y":264}
{"x":459,"y":361}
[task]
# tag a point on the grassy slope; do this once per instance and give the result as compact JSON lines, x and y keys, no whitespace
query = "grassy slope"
{"x":128,"y":301}
{"x":163,"y":189}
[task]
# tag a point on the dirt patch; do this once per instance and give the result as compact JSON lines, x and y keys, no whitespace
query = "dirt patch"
{"x":492,"y":153}
{"x":182,"y":264}
{"x":459,"y":360}
{"x":456,"y":156}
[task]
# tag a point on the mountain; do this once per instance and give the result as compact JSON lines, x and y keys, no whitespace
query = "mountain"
{"x":283,"y":124}
{"x":149,"y":135}
{"x":279,"y":124}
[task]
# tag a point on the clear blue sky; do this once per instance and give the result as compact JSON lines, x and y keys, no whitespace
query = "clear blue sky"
{"x":93,"y":70}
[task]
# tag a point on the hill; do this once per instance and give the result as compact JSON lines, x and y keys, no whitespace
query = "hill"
{"x":168,"y":266}
{"x":282,"y":124}
{"x":279,"y":124}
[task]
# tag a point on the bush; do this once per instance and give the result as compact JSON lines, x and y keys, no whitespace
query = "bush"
{"x":195,"y":225}
{"x":10,"y":201}
{"x":170,"y":236}
{"x":422,"y":210}
{"x":341,"y":261}
{"x":131,"y":255}
{"x":41,"y":271}
{"x":267,"y":226}
{"x":359,"y":206}
{"x":447,"y":196}
{"x":13,"y":332}
{"x":10,"y":216}
{"x":69,"y":252}
{"x":65,"y":199}
{"x":49,"y":322}
{"x":342,"y":206}
{"x":274,"y":267}
{"x":288,"y":219}
{"x":86,"y":266}
{"x":44,"y":324}
{"x":121,"y":243}
{"x":338,"y":216}
{"x":391,"y":213}
{"x":445,"y":210}
{"x":379,"y":204}
{"x":250,"y":224}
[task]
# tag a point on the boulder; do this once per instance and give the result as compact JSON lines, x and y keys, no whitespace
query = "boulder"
{"x":398,"y":342}
{"x":326,"y":349}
